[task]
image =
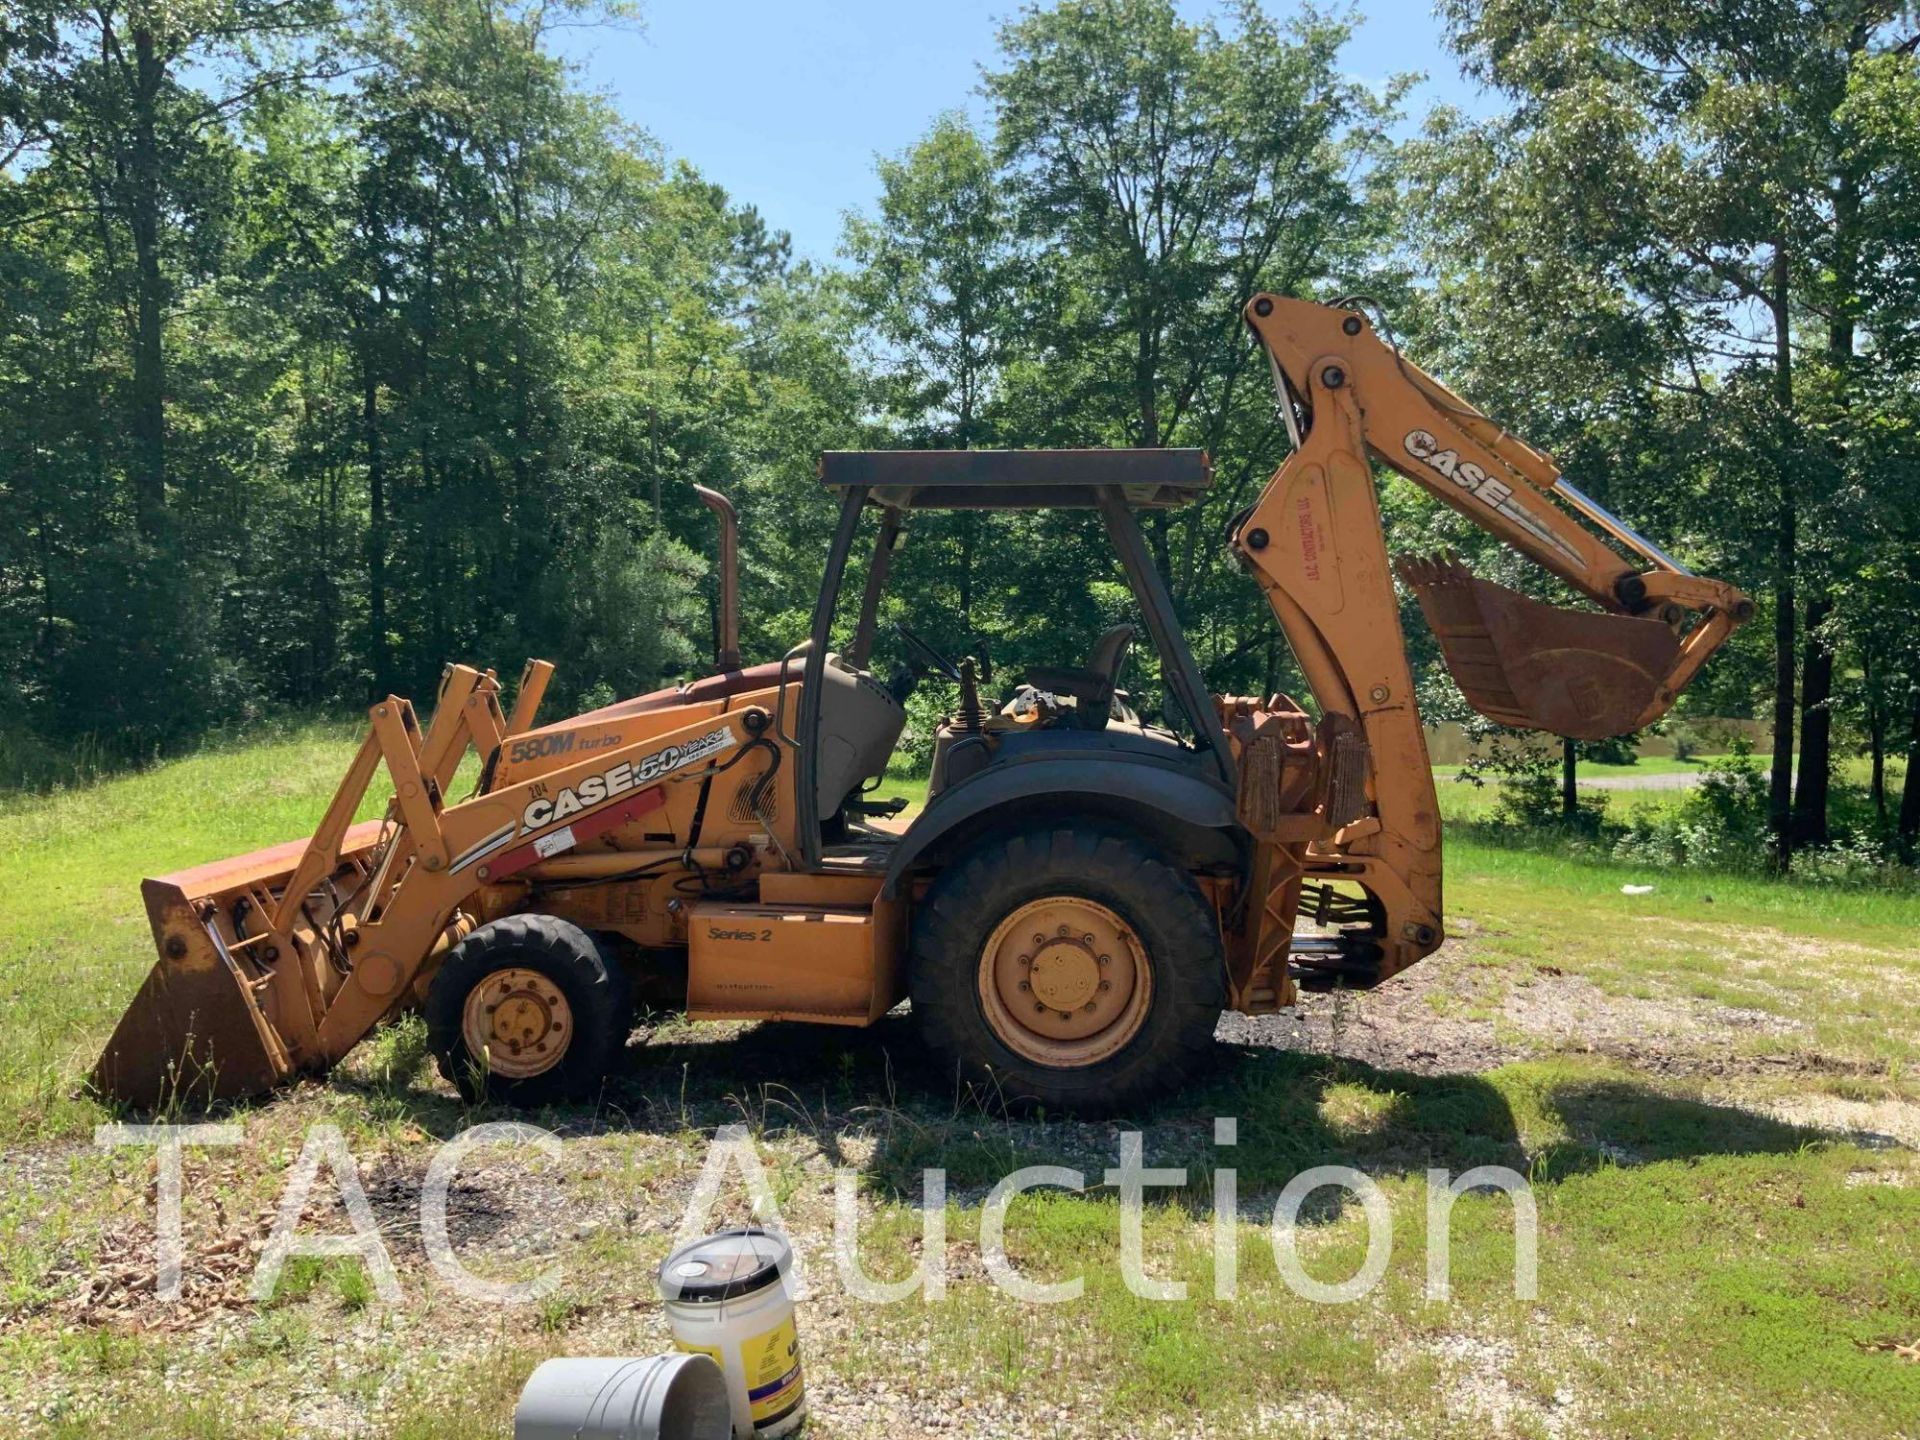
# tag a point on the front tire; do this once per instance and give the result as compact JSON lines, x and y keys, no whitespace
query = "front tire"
{"x":528,"y":1010}
{"x":1073,"y":968}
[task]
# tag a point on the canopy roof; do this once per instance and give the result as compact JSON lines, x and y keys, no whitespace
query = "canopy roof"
{"x":1018,"y":479}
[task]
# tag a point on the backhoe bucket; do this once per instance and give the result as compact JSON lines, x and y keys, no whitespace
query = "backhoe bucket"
{"x":207,"y":1024}
{"x":1537,"y":667}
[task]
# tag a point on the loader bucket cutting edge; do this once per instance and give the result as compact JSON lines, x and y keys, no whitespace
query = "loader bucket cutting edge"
{"x":1534,"y":666}
{"x":196,"y":1031}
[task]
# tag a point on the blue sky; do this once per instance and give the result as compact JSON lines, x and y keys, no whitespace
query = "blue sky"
{"x":786,"y":103}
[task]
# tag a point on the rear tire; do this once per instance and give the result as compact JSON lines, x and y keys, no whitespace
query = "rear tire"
{"x":1008,"y":995}
{"x":528,"y":1010}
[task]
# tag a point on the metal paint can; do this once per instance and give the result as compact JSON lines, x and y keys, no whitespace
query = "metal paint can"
{"x":649,"y":1397}
{"x":727,"y":1297}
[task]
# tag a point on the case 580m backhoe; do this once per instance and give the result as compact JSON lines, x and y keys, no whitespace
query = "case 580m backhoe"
{"x":1083,"y":893}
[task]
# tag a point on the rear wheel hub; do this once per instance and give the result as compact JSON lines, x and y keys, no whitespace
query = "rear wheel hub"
{"x":1064,"y":981}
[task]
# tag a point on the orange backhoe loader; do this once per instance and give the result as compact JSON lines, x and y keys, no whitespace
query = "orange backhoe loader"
{"x":1084,"y":891}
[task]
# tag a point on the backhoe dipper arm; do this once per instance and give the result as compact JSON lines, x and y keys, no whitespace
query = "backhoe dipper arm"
{"x":1315,"y":543}
{"x":1421,"y":429}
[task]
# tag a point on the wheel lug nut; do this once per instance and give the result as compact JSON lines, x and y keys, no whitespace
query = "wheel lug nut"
{"x":1038,"y":1008}
{"x":1106,"y":959}
{"x":1063,"y":932}
{"x":1026,"y":959}
{"x":1025,"y":986}
{"x":1086,"y":939}
{"x":1106,"y":985}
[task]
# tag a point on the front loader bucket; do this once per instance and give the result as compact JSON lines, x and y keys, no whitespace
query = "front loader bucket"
{"x":1537,"y":667}
{"x":208,"y":1022}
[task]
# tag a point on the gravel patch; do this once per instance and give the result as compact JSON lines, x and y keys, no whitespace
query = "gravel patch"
{"x":1399,"y":1027}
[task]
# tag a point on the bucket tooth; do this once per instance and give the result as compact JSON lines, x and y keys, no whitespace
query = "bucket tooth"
{"x":1534,"y":666}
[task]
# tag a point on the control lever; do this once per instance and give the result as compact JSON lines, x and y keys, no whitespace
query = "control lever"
{"x":971,"y":719}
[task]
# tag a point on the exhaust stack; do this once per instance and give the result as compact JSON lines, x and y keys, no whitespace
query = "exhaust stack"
{"x":727,"y":652}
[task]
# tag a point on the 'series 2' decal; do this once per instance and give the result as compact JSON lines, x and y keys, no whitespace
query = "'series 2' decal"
{"x":1422,"y":446}
{"x":621,"y":778}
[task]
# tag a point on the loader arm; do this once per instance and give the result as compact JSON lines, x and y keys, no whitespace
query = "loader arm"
{"x":1315,"y":543}
{"x":278,"y":963}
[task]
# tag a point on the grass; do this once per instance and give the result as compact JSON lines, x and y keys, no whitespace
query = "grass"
{"x":1705,"y":1266}
{"x":908,"y":781}
{"x":76,"y":939}
{"x":1594,"y":770}
{"x":1849,"y":769}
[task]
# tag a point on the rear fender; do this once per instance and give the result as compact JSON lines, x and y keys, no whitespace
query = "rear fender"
{"x":1189,"y":818}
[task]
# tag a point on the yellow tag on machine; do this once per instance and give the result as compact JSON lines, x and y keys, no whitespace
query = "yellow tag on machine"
{"x":726,"y":1297}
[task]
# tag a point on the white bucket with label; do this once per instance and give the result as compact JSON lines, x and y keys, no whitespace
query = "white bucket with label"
{"x":646,"y":1397}
{"x":726,"y":1297}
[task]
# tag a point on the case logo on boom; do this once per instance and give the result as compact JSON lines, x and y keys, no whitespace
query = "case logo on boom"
{"x":621,"y":778}
{"x":1475,"y":481}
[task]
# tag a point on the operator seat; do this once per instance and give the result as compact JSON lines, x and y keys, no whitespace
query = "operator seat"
{"x":1091,"y":688}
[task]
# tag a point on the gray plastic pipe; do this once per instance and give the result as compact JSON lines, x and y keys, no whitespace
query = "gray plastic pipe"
{"x":649,"y":1397}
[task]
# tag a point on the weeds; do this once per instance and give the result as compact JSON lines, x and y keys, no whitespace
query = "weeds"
{"x":395,"y":1053}
{"x":1718,"y":824}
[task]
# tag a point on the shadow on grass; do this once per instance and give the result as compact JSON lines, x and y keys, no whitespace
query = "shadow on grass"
{"x":1294,"y":1109}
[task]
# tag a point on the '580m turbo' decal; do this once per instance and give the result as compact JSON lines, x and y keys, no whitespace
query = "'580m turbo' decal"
{"x":549,"y":810}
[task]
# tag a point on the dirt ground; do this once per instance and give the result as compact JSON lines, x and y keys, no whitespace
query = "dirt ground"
{"x":1398,"y":1027}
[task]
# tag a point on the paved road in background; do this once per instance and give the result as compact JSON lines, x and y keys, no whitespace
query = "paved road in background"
{"x":1673,"y":780}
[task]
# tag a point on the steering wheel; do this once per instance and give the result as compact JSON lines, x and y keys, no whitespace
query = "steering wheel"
{"x":930,"y":658}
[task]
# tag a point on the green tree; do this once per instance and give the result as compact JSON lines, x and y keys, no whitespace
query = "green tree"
{"x":116,"y":206}
{"x":1697,"y":163}
{"x":1162,"y":171}
{"x":938,"y":282}
{"x":441,"y":343}
{"x":938,"y":279}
